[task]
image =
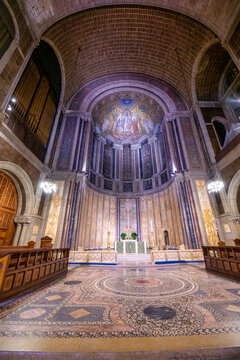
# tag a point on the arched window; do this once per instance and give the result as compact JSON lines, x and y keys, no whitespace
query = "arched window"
{"x":33,"y":105}
{"x":7,"y":30}
{"x":220,"y":131}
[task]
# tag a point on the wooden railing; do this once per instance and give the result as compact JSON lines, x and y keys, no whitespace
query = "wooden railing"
{"x":224,"y":259}
{"x":22,"y":269}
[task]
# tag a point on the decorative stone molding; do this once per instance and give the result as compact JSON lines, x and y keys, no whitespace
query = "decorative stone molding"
{"x":22,"y":220}
{"x":236,"y":219}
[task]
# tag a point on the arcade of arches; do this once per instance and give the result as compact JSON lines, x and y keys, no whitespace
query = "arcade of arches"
{"x":130,"y":110}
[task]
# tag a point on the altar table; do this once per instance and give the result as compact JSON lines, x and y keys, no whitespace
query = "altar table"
{"x":131,"y":247}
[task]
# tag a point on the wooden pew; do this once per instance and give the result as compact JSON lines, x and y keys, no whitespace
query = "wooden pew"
{"x":22,"y":268}
{"x":223,"y":259}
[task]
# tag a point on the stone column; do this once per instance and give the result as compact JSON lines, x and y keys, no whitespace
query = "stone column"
{"x":23,"y":234}
{"x":86,"y":147}
{"x":24,"y":221}
{"x":17,"y":234}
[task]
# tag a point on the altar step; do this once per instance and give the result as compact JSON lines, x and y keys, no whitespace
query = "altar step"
{"x":134,"y":259}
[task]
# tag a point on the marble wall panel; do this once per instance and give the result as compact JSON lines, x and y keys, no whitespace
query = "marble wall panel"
{"x":207,"y":212}
{"x":177,"y":216}
{"x":157,"y":220}
{"x":157,"y":212}
{"x":143,"y":220}
{"x":112,"y":215}
{"x":94,"y":220}
{"x":99,"y":221}
{"x":106,"y":220}
{"x":53,"y":216}
{"x":88,"y":220}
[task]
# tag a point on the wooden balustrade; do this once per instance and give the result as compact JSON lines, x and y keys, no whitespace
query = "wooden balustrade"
{"x":223,"y":259}
{"x":22,"y":269}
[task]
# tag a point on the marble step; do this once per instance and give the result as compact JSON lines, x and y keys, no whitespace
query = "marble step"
{"x":134,"y":259}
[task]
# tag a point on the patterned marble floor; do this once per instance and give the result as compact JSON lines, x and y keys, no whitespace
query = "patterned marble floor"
{"x":162,"y":305}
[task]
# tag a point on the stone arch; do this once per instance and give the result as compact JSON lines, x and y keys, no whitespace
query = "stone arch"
{"x":8,"y":53}
{"x":207,"y":71}
{"x":232,"y":193}
{"x":61,"y":64}
{"x":223,"y":122}
{"x":23,"y":184}
{"x":163,"y":93}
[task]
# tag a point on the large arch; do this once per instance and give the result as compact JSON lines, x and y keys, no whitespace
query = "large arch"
{"x":51,"y":12}
{"x":166,"y":94}
{"x":232,"y":193}
{"x":208,"y":68}
{"x":23,"y":184}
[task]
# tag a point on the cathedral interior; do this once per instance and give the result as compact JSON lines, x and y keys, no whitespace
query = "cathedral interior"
{"x":120,"y":148}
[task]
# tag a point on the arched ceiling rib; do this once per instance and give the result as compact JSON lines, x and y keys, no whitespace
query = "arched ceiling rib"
{"x":123,"y":39}
{"x":216,"y":14}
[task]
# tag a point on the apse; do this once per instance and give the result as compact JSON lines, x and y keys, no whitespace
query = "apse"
{"x":129,"y":150}
{"x":129,"y":139}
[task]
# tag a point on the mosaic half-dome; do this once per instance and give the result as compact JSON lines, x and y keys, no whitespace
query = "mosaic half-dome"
{"x":127,"y":116}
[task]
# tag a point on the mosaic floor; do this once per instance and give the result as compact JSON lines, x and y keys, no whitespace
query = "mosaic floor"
{"x":154,"y":303}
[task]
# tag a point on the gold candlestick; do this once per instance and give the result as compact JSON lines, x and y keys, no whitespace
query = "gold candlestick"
{"x":108,"y":242}
{"x":152,"y":240}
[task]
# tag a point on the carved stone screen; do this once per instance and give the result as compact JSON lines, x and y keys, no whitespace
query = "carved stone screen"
{"x":128,"y":216}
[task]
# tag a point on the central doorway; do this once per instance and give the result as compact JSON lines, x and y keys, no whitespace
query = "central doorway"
{"x":8,"y":209}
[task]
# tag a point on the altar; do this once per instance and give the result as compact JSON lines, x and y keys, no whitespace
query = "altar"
{"x":131,"y":247}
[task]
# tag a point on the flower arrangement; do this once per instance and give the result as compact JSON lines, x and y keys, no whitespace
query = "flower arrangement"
{"x":123,"y":235}
{"x":134,"y":235}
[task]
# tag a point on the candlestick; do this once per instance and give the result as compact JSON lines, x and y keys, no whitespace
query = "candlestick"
{"x":152,"y":240}
{"x":108,"y":242}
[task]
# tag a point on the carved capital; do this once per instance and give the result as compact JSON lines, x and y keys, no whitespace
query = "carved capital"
{"x":22,"y":220}
{"x":236,"y":219}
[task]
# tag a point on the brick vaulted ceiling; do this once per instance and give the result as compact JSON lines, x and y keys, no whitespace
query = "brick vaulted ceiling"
{"x":128,"y":39}
{"x":216,"y":14}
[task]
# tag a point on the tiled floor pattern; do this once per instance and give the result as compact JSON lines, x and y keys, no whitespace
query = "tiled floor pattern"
{"x":111,"y":308}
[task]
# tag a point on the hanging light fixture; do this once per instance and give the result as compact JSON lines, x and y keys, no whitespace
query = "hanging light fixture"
{"x":48,"y":187}
{"x":215,"y":186}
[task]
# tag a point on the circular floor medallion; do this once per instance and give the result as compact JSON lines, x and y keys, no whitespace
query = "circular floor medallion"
{"x":150,"y":285}
{"x":142,"y":282}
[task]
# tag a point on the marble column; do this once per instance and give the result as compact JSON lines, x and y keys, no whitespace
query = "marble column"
{"x":86,"y":147}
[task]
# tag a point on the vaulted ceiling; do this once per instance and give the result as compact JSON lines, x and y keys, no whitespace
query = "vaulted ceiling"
{"x":128,"y":39}
{"x":216,"y":14}
{"x":162,"y":42}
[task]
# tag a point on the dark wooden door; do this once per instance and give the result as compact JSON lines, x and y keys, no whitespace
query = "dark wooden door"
{"x":8,"y":209}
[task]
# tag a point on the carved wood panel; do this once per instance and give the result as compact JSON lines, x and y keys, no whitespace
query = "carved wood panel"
{"x":8,"y":209}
